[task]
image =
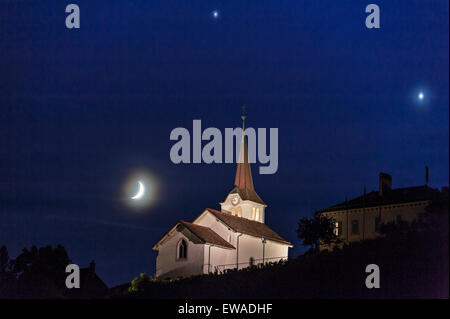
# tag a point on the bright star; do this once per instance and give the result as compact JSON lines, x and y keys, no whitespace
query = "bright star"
{"x":215,"y":14}
{"x":421,"y":96}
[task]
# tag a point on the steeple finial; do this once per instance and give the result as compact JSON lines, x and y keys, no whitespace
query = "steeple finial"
{"x":243,"y":116}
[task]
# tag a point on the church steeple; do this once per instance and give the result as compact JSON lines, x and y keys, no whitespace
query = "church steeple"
{"x":243,"y":181}
{"x":243,"y":201}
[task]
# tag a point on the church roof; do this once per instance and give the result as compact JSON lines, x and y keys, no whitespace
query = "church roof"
{"x":206,"y":234}
{"x":202,"y":234}
{"x":247,"y":226}
{"x":243,"y":182}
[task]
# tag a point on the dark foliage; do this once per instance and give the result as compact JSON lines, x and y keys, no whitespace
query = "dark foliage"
{"x":4,"y":260}
{"x":316,"y":231}
{"x":35,"y":273}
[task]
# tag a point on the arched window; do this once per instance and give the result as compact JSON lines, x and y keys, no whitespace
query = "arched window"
{"x":239,"y":211}
{"x":257,"y":214}
{"x":182,"y":249}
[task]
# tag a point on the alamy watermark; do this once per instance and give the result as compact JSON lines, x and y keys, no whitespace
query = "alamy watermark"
{"x":229,"y":151}
{"x":73,"y":279}
{"x":373,"y":279}
{"x":73,"y":18}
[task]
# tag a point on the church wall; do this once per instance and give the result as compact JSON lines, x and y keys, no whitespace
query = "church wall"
{"x":275,"y":250}
{"x":219,"y":256}
{"x":220,"y":259}
{"x":167,"y":264}
{"x":250,"y":246}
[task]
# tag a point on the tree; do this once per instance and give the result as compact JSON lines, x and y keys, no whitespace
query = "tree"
{"x":4,"y":260}
{"x":316,"y":231}
{"x":41,"y":272}
{"x":141,"y":283}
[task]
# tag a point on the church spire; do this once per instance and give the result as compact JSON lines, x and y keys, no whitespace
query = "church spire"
{"x":243,"y":181}
{"x":243,"y":178}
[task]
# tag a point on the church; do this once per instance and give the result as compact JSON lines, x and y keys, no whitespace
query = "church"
{"x":235,"y":237}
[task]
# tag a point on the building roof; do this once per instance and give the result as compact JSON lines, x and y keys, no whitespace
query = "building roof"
{"x":91,"y":286}
{"x":206,"y":234}
{"x":247,"y":226}
{"x":243,"y":182}
{"x":202,"y":234}
{"x":390,"y":197}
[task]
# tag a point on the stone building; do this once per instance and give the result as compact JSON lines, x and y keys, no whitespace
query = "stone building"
{"x":360,"y":218}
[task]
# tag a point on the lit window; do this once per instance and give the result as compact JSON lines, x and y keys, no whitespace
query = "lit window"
{"x":338,"y":228}
{"x":182,"y":249}
{"x":253,"y":213}
{"x":239,"y":212}
{"x":257,"y":214}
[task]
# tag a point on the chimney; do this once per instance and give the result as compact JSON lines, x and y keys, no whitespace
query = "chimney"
{"x":385,"y":183}
{"x":92,"y":267}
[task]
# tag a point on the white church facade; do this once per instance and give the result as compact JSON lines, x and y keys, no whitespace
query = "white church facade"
{"x":234,"y":237}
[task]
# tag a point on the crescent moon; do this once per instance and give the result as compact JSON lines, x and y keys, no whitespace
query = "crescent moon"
{"x":140,"y":192}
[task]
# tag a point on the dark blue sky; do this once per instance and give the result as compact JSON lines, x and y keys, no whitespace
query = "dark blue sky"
{"x":82,"y":110}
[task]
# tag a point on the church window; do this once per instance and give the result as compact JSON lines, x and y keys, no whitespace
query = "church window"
{"x":182,"y":249}
{"x":239,"y":211}
{"x":253,"y":213}
{"x":257,"y":214}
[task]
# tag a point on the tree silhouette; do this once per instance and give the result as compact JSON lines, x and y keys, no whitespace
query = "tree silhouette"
{"x":41,"y":272}
{"x":4,"y":260}
{"x":316,"y":231}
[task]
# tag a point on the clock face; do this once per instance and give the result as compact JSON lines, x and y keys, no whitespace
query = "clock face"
{"x":234,"y":200}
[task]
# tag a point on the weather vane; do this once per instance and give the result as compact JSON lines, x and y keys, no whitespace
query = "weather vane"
{"x":243,"y":116}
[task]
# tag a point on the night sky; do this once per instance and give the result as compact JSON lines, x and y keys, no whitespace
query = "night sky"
{"x":83,"y":110}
